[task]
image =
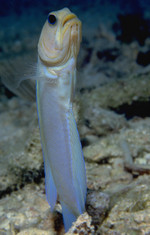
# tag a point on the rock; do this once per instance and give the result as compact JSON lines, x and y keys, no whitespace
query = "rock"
{"x":130,"y":213}
{"x":20,"y":149}
{"x":127,"y":90}
{"x":105,"y":148}
{"x":97,"y":206}
{"x":137,"y":136}
{"x":102,"y":121}
{"x":34,"y":231}
{"x":26,"y":212}
{"x":82,"y":226}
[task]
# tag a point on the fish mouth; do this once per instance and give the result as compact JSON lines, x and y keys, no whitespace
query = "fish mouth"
{"x":67,"y":27}
{"x":72,"y":24}
{"x":68,"y":18}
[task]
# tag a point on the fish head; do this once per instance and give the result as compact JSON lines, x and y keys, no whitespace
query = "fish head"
{"x":60,"y":38}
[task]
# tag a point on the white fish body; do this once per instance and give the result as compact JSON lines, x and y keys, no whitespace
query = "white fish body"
{"x":56,"y":73}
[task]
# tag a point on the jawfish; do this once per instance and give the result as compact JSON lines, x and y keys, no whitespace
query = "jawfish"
{"x":65,"y":174}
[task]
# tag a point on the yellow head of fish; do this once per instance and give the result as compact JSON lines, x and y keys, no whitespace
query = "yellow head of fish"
{"x":60,"y":38}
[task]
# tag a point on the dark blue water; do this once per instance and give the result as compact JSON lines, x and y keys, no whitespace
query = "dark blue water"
{"x":21,"y":22}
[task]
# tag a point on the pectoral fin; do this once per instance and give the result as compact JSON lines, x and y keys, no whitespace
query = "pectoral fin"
{"x":17,"y":72}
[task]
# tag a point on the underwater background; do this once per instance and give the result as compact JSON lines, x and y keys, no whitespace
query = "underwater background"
{"x":112,"y":109}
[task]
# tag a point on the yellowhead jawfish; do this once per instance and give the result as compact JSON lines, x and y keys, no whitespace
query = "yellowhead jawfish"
{"x":65,"y":175}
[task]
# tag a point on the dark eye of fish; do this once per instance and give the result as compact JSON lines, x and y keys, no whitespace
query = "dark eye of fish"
{"x":52,"y":19}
